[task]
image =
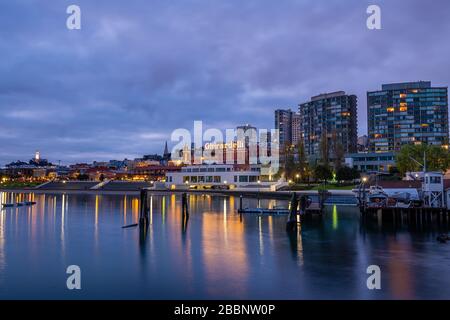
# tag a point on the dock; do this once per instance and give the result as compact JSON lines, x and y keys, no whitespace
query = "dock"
{"x":417,"y":216}
{"x":265,"y":211}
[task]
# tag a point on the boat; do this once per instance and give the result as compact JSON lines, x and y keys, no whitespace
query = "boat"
{"x":18,"y":204}
{"x":391,"y":198}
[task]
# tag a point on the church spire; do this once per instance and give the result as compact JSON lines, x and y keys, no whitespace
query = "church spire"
{"x":166,"y":150}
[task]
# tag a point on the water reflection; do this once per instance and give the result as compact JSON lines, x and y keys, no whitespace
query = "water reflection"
{"x":213,"y":252}
{"x":2,"y":236}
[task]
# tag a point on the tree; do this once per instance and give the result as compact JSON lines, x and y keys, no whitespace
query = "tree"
{"x":323,"y":172}
{"x":437,"y":158}
{"x":338,"y":151}
{"x":289,"y":165}
{"x":346,"y":174}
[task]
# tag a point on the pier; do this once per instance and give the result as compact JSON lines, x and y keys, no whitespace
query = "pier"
{"x":420,"y":216}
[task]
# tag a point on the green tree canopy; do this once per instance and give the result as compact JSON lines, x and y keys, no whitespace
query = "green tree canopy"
{"x":289,"y":165}
{"x":437,"y":158}
{"x":302,"y":164}
{"x":323,"y":172}
{"x":346,"y":174}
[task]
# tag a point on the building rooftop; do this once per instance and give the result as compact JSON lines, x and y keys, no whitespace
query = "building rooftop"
{"x":406,"y":85}
{"x":328,"y":95}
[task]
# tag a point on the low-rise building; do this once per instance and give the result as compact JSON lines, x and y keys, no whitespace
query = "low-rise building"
{"x":371,"y":161}
{"x":214,"y":176}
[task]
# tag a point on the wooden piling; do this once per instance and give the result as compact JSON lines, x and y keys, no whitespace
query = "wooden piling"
{"x":291,"y":224}
{"x":143,"y":212}
{"x":184,"y":205}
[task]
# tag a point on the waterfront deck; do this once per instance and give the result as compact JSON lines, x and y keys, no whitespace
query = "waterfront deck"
{"x":414,"y":216}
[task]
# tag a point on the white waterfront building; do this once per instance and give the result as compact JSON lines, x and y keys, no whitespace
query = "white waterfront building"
{"x":214,"y":176}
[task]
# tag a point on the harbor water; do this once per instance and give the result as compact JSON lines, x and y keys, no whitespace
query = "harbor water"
{"x":218,"y":254}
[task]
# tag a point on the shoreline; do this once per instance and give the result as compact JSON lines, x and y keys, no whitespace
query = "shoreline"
{"x":59,"y":191}
{"x":257,"y":194}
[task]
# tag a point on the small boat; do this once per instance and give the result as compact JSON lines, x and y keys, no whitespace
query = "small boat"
{"x":29,"y":203}
{"x":8,"y":205}
{"x":130,"y":226}
{"x":377,"y":200}
{"x":380,"y":198}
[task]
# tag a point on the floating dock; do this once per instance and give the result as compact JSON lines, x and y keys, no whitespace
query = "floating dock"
{"x":265,"y":211}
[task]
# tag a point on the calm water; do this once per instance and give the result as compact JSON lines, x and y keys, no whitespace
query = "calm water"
{"x":216,"y":256}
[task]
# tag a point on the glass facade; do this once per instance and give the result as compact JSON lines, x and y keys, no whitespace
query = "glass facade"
{"x":283,"y":122}
{"x":407,"y":113}
{"x":333,"y":114}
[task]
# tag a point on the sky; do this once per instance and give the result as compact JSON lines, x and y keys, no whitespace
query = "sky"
{"x":139,"y":69}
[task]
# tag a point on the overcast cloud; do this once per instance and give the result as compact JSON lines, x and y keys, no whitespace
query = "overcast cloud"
{"x":139,"y":69}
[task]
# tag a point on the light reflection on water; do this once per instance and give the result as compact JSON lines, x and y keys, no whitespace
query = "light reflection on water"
{"x":217,"y":254}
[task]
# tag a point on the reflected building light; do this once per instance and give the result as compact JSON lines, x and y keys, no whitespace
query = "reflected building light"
{"x":231,"y":203}
{"x":96,"y":213}
{"x":135,"y":209}
{"x":151,"y":209}
{"x":125,"y":209}
{"x":2,"y":236}
{"x":225,"y":221}
{"x":163,"y":209}
{"x":270,"y":218}
{"x":172,"y":200}
{"x":261,"y":242}
{"x":63,"y":213}
{"x":54,"y":211}
{"x":300,"y":258}
{"x":335,"y":217}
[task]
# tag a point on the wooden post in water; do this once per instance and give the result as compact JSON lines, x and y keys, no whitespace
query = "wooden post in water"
{"x":184,"y":211}
{"x":184,"y":205}
{"x":143,"y":214}
{"x":292,"y":221}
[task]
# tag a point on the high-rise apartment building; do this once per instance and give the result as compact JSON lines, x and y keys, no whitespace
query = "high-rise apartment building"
{"x":330,"y":115}
{"x":407,"y":113}
{"x":283,"y":122}
{"x":296,"y":130}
